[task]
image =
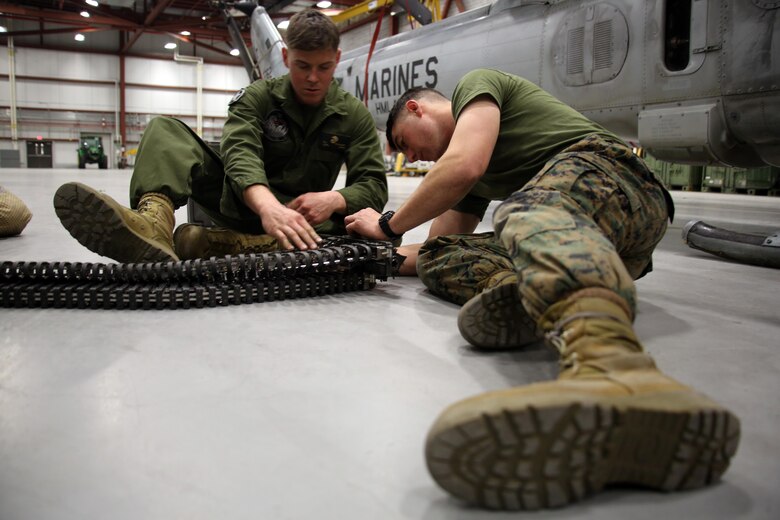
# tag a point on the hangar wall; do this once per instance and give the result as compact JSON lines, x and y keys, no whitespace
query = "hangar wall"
{"x":62,"y":95}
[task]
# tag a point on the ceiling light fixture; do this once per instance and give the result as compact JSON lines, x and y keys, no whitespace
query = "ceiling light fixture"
{"x":93,"y":3}
{"x":234,"y":52}
{"x":85,"y":14}
{"x":185,"y":33}
{"x":170,"y":45}
{"x":324,"y":4}
{"x":79,"y":37}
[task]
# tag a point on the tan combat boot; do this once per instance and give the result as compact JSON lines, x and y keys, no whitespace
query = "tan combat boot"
{"x":106,"y":227}
{"x":495,"y":318}
{"x":611,"y":418}
{"x":193,"y":241}
{"x":14,"y":214}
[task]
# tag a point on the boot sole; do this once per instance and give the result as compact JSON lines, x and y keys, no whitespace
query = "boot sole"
{"x":547,"y":457}
{"x":496,"y":319}
{"x":95,"y":220}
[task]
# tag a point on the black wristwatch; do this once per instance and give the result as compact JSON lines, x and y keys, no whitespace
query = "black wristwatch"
{"x":384,"y":225}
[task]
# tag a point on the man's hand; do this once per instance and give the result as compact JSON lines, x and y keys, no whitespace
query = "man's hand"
{"x":317,"y":207}
{"x":286,"y":225}
{"x":366,"y":224}
{"x":289,"y":227}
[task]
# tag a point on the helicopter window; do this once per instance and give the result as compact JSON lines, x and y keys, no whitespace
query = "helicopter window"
{"x":677,"y":42}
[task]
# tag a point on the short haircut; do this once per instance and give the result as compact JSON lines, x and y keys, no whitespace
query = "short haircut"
{"x":400,"y":103}
{"x":310,"y":30}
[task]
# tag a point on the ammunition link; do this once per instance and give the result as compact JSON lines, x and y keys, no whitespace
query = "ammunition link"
{"x":340,"y":264}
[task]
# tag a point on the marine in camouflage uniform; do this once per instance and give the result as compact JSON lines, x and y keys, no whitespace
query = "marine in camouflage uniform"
{"x":592,"y":212}
{"x":580,"y":217}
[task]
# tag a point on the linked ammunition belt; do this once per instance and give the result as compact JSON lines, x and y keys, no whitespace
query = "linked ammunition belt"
{"x":340,"y":264}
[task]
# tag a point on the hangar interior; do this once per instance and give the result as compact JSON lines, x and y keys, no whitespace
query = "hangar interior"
{"x":301,"y":408}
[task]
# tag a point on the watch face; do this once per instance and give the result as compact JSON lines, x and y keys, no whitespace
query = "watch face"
{"x":385,"y":218}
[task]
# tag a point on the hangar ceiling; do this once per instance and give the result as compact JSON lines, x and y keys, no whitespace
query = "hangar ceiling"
{"x":136,"y":27}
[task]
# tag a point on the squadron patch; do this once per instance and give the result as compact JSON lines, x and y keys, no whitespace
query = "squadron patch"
{"x":334,"y":142}
{"x":275,"y":127}
{"x":236,"y":96}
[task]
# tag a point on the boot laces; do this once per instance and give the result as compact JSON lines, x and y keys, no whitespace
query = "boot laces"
{"x":146,"y":208}
{"x":143,"y":206}
{"x":557,"y":337}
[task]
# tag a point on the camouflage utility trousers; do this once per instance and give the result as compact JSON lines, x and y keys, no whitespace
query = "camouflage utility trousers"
{"x":590,"y":218}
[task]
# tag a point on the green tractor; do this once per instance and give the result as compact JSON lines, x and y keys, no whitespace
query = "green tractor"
{"x":91,"y":151}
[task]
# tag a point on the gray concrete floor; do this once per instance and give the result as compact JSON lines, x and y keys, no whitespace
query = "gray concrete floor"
{"x":318,"y":408}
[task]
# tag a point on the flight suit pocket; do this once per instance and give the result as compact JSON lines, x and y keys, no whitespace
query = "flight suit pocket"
{"x":318,"y":154}
{"x":282,"y":150}
{"x":331,"y":147}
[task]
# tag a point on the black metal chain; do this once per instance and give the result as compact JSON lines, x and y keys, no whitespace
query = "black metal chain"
{"x":340,"y":264}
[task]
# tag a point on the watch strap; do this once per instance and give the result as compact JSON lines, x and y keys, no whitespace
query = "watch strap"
{"x":384,"y":225}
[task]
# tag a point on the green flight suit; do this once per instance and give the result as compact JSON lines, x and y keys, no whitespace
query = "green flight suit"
{"x":268,"y":139}
{"x":580,"y":209}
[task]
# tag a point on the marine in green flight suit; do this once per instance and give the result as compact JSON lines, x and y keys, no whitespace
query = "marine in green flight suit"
{"x":270,"y":185}
{"x":272,"y":140}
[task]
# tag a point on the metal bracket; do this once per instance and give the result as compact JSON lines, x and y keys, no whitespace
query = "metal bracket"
{"x":708,"y":48}
{"x":772,"y":240}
